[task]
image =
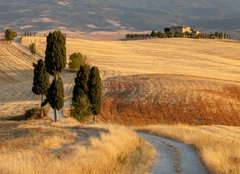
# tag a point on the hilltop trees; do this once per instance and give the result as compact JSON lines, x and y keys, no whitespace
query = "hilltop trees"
{"x":40,"y":80}
{"x":87,"y":93}
{"x":32,"y":48}
{"x":76,"y":60}
{"x":95,"y":91}
{"x":10,"y":34}
{"x":55,"y":63}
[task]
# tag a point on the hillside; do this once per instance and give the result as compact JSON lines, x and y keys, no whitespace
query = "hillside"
{"x":16,"y":74}
{"x":204,"y":58}
{"x":158,"y":81}
{"x":101,"y":15}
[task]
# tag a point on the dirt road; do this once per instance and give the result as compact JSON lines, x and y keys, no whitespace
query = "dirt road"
{"x":174,"y":157}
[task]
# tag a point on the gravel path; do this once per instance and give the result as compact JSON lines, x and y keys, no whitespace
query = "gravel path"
{"x":174,"y":157}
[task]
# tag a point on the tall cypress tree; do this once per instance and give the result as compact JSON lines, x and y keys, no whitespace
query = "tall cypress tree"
{"x":55,"y":95}
{"x":81,"y":82}
{"x":55,"y":53}
{"x":55,"y":63}
{"x":80,"y":101}
{"x":95,"y":91}
{"x":40,"y":80}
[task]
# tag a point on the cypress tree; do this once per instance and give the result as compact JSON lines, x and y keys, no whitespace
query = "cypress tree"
{"x":80,"y":102}
{"x":55,"y":95}
{"x":40,"y":80}
{"x":81,"y":83}
{"x":95,"y":91}
{"x":55,"y":63}
{"x":55,"y":53}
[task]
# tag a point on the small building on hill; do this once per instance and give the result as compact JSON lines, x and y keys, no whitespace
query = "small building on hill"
{"x":180,"y":29}
{"x":183,"y":29}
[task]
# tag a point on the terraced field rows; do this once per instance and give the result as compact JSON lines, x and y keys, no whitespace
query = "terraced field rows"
{"x":16,"y":73}
{"x":15,"y":65}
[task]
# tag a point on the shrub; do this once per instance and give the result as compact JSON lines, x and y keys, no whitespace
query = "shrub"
{"x":81,"y":110}
{"x":32,"y":113}
{"x":76,"y":60}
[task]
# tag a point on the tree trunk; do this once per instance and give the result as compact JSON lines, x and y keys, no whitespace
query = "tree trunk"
{"x":55,"y":114}
{"x":94,"y":119}
{"x":41,"y":109}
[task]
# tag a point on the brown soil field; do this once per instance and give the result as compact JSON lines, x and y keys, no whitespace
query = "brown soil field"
{"x":150,"y":99}
{"x":151,"y":81}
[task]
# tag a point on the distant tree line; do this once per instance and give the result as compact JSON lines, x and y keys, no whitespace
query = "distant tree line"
{"x":167,"y":34}
{"x":27,"y":33}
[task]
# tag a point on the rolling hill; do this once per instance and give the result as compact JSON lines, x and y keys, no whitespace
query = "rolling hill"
{"x":153,"y":81}
{"x":113,"y":15}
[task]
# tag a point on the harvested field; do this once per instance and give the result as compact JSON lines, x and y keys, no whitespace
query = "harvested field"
{"x":150,"y":99}
{"x":151,"y":81}
{"x":204,"y":58}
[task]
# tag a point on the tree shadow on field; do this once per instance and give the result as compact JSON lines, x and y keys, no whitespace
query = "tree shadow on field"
{"x":84,"y":134}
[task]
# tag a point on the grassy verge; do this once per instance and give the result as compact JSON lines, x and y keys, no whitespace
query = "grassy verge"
{"x":43,"y":147}
{"x":218,"y":146}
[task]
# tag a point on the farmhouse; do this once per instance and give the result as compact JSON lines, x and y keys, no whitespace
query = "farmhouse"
{"x":183,"y":29}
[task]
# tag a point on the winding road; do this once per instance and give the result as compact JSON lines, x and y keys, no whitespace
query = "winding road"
{"x":174,"y":157}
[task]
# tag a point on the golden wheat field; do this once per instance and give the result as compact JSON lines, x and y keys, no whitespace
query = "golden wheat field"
{"x":151,"y":81}
{"x":204,"y":58}
{"x":218,"y":145}
{"x":144,"y":82}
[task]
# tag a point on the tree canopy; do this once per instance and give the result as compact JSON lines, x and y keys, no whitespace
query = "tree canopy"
{"x":55,"y":95}
{"x":95,"y":90}
{"x":76,"y":60}
{"x":81,"y":82}
{"x":55,"y":53}
{"x":10,"y":34}
{"x":41,"y":78}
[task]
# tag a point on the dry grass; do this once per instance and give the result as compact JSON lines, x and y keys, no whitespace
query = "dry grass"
{"x":218,"y":146}
{"x":195,"y":96}
{"x":204,"y":58}
{"x":43,"y":147}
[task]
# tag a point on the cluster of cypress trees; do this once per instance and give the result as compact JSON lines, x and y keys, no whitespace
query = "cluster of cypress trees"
{"x":87,"y":93}
{"x":55,"y":62}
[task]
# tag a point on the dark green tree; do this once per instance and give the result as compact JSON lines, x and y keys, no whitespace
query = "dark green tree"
{"x":40,"y":80}
{"x":55,"y":53}
{"x":81,"y":83}
{"x":81,"y":109}
{"x":76,"y":60}
{"x":55,"y":63}
{"x":95,"y":91}
{"x":10,"y":34}
{"x":153,"y":34}
{"x":80,"y":101}
{"x":55,"y":96}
